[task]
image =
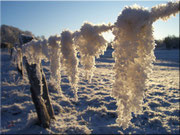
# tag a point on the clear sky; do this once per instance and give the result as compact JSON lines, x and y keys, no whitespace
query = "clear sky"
{"x":51,"y":17}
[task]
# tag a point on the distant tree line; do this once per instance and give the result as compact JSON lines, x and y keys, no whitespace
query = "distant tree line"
{"x":169,"y":42}
{"x":10,"y":36}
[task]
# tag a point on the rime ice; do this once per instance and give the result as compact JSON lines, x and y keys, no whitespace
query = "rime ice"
{"x":55,"y":63}
{"x":70,"y":61}
{"x":90,"y":43}
{"x":134,"y":53}
{"x":17,"y":56}
{"x":164,"y":11}
{"x":35,"y":53}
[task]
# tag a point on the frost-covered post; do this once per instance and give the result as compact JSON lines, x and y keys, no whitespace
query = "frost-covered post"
{"x":46,"y":97}
{"x":37,"y":98}
{"x":39,"y":89}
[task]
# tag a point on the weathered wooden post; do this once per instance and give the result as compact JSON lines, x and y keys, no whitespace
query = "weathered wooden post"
{"x":46,"y":97}
{"x":42,"y":102}
{"x":37,"y":98}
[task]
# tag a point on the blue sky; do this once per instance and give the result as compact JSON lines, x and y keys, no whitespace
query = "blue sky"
{"x":51,"y":17}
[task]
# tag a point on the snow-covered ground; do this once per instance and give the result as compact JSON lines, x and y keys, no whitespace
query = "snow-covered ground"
{"x":95,"y":112}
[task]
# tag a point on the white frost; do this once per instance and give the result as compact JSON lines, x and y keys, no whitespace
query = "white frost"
{"x":35,"y":53}
{"x":134,"y":45}
{"x":69,"y":59}
{"x":90,"y":43}
{"x":17,"y":56}
{"x":55,"y":63}
{"x":134,"y":53}
{"x":165,"y":11}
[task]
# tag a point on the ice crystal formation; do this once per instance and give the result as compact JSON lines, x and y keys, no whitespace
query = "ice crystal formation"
{"x":133,"y":53}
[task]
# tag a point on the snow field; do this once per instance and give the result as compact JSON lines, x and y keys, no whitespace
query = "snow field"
{"x":95,"y":112}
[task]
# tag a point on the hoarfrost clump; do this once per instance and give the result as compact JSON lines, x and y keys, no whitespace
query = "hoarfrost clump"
{"x":35,"y":53}
{"x":134,"y":45}
{"x":90,"y":43}
{"x":164,"y":11}
{"x":70,"y":61}
{"x":17,"y":56}
{"x":55,"y":63}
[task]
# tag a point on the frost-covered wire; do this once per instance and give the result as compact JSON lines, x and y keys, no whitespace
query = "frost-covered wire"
{"x":90,"y":43}
{"x":69,"y":59}
{"x":134,"y":53}
{"x":55,"y":61}
{"x":165,"y":11}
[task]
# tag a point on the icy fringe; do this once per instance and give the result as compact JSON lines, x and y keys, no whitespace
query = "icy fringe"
{"x":47,"y":50}
{"x":55,"y":61}
{"x":17,"y":57}
{"x":35,"y":51}
{"x":164,"y":11}
{"x":90,"y":43}
{"x":134,"y":45}
{"x":69,"y":59}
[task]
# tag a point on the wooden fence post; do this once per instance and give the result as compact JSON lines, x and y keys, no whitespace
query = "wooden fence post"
{"x":46,"y":96}
{"x":41,"y":101}
{"x":37,"y":98}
